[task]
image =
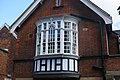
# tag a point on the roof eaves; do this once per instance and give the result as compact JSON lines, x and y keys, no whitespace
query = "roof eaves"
{"x":24,"y":16}
{"x":5,"y":25}
{"x":106,"y":17}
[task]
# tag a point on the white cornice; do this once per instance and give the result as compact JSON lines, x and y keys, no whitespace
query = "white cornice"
{"x":24,"y":16}
{"x":106,"y":17}
{"x":5,"y":25}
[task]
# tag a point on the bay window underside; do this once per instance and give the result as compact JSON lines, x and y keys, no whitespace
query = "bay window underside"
{"x":60,"y":65}
{"x":56,"y":47}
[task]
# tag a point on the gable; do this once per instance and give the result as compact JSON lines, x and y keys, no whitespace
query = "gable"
{"x":5,"y":25}
{"x":104,"y":15}
{"x":24,"y":16}
{"x":35,"y":4}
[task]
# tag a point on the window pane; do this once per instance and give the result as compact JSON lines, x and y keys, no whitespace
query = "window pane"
{"x":71,"y":64}
{"x":44,"y":36}
{"x":44,"y":26}
{"x":48,"y":65}
{"x":58,"y":47}
{"x":74,"y":37}
{"x":53,"y":64}
{"x":39,"y":38}
{"x":39,"y":28}
{"x":67,"y":47}
{"x":74,"y":48}
{"x":38,"y":65}
{"x":66,"y":35}
{"x":44,"y":47}
{"x":65,"y":64}
{"x":58,"y":35}
{"x":58,"y":67}
{"x":58,"y":61}
{"x":35,"y":66}
{"x":59,"y":24}
{"x":42,"y":68}
{"x":76,"y":66}
{"x":38,"y":49}
{"x":43,"y":62}
{"x":73,"y":26}
{"x":51,"y":39}
{"x":67,"y":25}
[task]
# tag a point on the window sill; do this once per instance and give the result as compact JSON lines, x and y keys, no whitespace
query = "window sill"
{"x":57,"y":7}
{"x":56,"y":56}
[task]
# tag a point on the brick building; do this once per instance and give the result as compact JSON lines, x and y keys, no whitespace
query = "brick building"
{"x":64,"y":39}
{"x":118,"y":33}
{"x":5,"y":38}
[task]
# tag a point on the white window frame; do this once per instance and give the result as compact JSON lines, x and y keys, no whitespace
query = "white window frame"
{"x":62,"y":30}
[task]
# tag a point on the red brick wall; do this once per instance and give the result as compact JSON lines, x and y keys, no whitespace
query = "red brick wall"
{"x":89,"y":48}
{"x":113,"y":44}
{"x":86,"y":67}
{"x":23,"y":66}
{"x":4,"y":56}
{"x":4,"y":38}
{"x":3,"y":64}
{"x":89,"y":39}
{"x":112,"y":63}
{"x":12,"y":51}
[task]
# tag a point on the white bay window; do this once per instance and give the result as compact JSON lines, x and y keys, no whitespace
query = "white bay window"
{"x":57,"y":36}
{"x":56,"y":45}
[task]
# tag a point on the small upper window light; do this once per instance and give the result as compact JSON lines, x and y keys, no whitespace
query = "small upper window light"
{"x":58,"y":2}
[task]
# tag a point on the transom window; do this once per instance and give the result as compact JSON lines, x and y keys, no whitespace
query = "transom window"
{"x":57,"y":36}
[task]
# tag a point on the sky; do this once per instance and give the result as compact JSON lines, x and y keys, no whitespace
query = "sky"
{"x":110,"y":6}
{"x":10,"y":10}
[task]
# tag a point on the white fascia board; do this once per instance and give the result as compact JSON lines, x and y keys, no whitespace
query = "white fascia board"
{"x":5,"y":25}
{"x":24,"y":16}
{"x":106,"y":17}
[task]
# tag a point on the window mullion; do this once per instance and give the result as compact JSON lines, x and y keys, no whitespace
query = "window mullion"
{"x":71,"y":42}
{"x":71,"y":38}
{"x":46,"y":42}
{"x":77,"y":44}
{"x":41,"y":43}
{"x":36,"y":44}
{"x":56,"y":39}
{"x":62,"y":38}
{"x":76,"y":39}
